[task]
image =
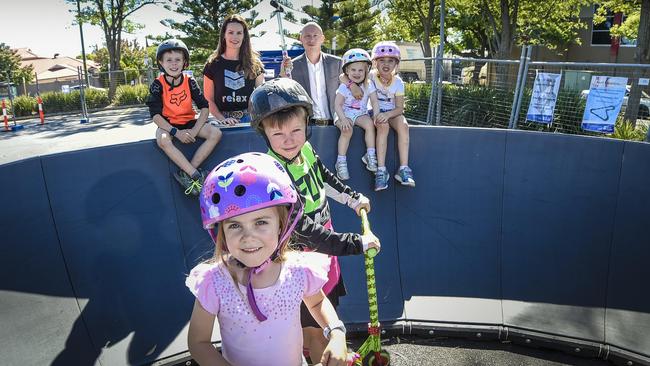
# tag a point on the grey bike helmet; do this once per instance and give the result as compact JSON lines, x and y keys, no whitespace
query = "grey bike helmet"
{"x":169,"y":45}
{"x":276,"y":95}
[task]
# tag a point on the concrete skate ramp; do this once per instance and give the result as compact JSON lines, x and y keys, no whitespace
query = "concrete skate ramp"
{"x":531,"y":237}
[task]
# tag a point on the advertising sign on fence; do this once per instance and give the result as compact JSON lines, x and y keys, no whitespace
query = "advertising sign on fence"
{"x":604,"y":102}
{"x":542,"y":102}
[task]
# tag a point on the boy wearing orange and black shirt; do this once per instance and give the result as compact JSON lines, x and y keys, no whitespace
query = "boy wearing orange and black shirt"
{"x":170,"y":106}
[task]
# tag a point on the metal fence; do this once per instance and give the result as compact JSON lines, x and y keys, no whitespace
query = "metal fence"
{"x":575,"y":81}
{"x":468,"y":92}
{"x":497,"y":93}
{"x":134,"y":76}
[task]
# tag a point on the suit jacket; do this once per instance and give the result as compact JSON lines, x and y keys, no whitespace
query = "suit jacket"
{"x":332,"y":69}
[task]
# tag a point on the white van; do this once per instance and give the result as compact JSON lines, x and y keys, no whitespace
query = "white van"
{"x":411,"y":70}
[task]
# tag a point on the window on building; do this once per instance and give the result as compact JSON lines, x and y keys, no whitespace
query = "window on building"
{"x":600,"y":33}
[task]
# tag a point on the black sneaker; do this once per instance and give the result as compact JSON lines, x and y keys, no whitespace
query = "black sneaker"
{"x":190,"y":185}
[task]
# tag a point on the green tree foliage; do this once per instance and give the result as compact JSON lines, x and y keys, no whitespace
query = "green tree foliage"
{"x":10,"y":67}
{"x":357,"y":24}
{"x":553,"y":24}
{"x":325,"y":16}
{"x":112,"y":17}
{"x":491,"y":27}
{"x":414,"y":21}
{"x":132,"y":61}
{"x":133,"y":56}
{"x":466,"y":31}
{"x":204,"y":18}
{"x":396,"y":29}
{"x":290,"y":17}
{"x":629,"y":28}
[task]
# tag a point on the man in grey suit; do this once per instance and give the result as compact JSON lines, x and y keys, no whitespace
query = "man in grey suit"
{"x":317,"y":72}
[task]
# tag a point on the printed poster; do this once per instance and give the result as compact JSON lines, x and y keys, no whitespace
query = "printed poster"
{"x":542,"y":102}
{"x":604,"y":102}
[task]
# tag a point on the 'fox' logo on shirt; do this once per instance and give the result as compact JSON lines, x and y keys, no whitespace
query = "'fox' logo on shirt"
{"x":178,"y":98}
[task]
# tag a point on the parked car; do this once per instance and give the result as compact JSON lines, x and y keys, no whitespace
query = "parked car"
{"x":411,"y":71}
{"x":76,"y":87}
{"x":644,"y":102}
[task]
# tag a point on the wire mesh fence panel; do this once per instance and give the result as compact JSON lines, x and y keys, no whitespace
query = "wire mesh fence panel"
{"x":120,"y":77}
{"x":575,"y":80}
{"x":134,"y":77}
{"x":477,"y":93}
{"x":417,"y":75}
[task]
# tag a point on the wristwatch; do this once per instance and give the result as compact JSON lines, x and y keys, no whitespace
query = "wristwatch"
{"x":338,"y":324}
{"x":173,"y":131}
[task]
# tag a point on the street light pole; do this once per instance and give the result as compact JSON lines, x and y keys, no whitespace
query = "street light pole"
{"x":83,"y":48}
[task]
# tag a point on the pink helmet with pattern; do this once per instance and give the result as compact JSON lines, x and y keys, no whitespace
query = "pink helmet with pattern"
{"x":386,"y":49}
{"x":242,"y":184}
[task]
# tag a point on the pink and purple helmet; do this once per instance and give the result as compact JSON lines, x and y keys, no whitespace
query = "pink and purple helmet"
{"x":386,"y":49}
{"x":242,"y":184}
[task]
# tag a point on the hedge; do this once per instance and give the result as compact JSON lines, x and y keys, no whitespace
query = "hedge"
{"x":54,"y":102}
{"x":483,"y":106}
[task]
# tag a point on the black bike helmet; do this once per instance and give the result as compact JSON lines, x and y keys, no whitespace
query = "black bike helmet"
{"x":169,"y":45}
{"x":276,"y":95}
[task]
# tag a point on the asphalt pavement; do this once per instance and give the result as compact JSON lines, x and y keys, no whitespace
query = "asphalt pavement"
{"x":66,"y":133}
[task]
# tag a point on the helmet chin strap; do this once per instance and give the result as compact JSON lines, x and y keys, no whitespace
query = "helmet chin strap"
{"x":174,"y":78}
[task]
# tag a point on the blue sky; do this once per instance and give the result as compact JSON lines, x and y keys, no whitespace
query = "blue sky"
{"x":46,"y":26}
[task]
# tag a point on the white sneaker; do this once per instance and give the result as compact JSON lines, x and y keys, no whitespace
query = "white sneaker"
{"x":342,"y":170}
{"x":370,"y":161}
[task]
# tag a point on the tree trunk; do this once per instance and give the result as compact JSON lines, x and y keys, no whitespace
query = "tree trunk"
{"x":641,"y":56}
{"x":427,"y":24}
{"x":427,"y":52}
{"x":113,"y":43}
{"x":112,"y":65}
{"x":503,"y":53}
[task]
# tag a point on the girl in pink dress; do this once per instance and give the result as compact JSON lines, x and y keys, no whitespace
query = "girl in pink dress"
{"x":253,"y":285}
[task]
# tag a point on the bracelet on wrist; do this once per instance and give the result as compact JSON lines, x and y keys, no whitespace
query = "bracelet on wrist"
{"x":335,"y":325}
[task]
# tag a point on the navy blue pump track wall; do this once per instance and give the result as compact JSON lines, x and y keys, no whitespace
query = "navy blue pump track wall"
{"x":531,"y":237}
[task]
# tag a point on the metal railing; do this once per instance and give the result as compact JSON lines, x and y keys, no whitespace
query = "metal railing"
{"x":496,"y":93}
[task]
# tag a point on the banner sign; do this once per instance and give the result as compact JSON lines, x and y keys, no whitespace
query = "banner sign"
{"x":604,"y":102}
{"x":542,"y":102}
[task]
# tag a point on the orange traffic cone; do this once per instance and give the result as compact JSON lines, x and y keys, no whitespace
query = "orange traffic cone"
{"x":40,"y":109}
{"x":4,"y":115}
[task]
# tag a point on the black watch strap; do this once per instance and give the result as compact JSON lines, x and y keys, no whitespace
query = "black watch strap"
{"x":173,"y":131}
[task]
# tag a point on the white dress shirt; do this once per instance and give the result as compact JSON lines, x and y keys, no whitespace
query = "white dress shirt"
{"x":317,"y":88}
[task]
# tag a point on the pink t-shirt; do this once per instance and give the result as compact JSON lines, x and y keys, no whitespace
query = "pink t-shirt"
{"x":245,"y":340}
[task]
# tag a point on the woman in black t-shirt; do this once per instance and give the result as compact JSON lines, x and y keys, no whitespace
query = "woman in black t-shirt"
{"x":232,"y":72}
